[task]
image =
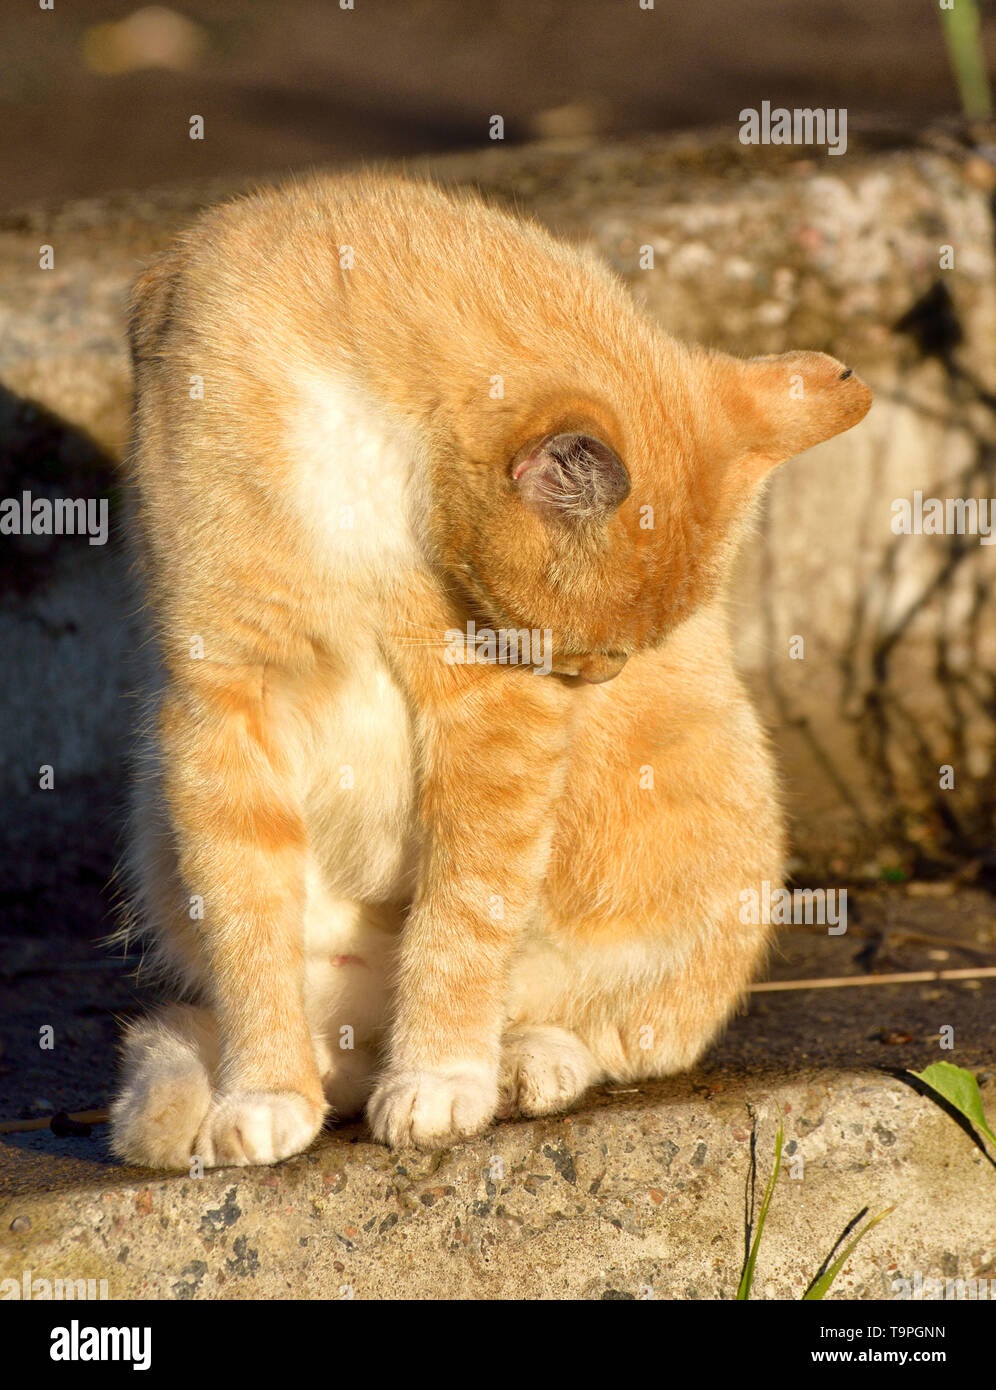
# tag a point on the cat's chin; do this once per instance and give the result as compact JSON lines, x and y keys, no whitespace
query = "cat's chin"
{"x":591,"y":670}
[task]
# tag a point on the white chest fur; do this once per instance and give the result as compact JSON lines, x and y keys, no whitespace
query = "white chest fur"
{"x":360,"y":810}
{"x":358,"y":490}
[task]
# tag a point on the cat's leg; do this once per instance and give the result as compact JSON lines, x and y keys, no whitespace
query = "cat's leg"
{"x":546,"y":1065}
{"x":348,"y":952}
{"x":170,"y":1058}
{"x":231,"y":786}
{"x":168,"y":1063}
{"x":493,"y":742}
{"x":167,"y":1092}
{"x":672,"y":816}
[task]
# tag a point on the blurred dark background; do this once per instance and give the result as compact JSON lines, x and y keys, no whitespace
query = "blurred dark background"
{"x":97,"y":95}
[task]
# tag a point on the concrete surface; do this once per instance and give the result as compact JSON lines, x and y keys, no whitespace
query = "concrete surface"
{"x":640,"y":1195}
{"x":643,"y":1188}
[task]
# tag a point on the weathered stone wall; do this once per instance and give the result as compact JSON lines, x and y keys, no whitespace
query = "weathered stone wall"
{"x":755,"y":250}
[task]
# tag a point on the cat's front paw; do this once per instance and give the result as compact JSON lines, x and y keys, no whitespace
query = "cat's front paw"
{"x":257,"y":1127}
{"x":432,"y":1108}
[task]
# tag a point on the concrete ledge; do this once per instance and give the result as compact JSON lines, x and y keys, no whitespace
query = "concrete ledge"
{"x":642,"y":1195}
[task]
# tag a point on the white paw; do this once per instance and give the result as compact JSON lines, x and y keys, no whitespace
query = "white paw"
{"x":433,"y":1108}
{"x":257,"y":1127}
{"x":544,"y":1070}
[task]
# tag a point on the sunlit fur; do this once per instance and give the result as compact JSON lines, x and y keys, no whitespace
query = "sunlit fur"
{"x":440,"y":891}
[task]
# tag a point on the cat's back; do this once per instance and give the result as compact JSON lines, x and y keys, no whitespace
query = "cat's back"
{"x":373,"y":274}
{"x":311,"y":360}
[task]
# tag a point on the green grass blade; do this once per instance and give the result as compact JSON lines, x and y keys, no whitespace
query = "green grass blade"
{"x":963,"y":33}
{"x":960,"y":1089}
{"x":747,"y":1278}
{"x":821,"y":1285}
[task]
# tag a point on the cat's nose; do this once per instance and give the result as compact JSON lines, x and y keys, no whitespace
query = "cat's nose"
{"x":596,"y":669}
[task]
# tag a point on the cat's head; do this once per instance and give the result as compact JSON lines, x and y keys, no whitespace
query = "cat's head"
{"x":607,"y":516}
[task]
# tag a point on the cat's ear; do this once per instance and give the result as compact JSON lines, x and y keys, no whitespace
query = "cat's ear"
{"x":570,"y":477}
{"x":775,"y":407}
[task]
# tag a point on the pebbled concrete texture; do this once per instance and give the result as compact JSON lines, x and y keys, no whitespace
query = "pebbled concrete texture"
{"x":640,"y":1195}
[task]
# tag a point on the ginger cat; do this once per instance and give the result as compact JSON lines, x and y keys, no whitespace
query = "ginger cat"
{"x":370,"y":413}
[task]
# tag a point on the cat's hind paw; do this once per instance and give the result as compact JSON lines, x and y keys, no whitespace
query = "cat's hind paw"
{"x":544,"y":1070}
{"x":154,"y":1121}
{"x":433,"y":1108}
{"x":165,"y":1089}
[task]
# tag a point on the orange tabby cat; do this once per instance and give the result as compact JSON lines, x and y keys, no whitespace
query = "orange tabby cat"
{"x":411,"y":481}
